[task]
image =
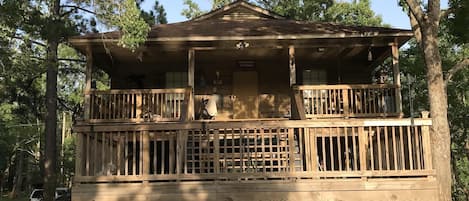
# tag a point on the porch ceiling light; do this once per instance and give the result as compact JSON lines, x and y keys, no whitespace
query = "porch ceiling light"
{"x":321,"y":49}
{"x":241,"y":45}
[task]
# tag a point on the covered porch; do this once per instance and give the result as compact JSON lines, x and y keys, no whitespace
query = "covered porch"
{"x":332,"y":79}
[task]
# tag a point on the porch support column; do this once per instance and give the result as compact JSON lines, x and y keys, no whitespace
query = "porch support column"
{"x":191,"y":82}
{"x":296,"y":98}
{"x":191,"y":68}
{"x":88,"y":74}
{"x":292,"y":64}
{"x":396,"y":76}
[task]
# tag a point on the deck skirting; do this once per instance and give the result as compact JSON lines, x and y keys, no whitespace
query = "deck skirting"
{"x":424,"y":189}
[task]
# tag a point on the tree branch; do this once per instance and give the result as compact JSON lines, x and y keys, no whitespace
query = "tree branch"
{"x":61,"y":59}
{"x":434,"y":10}
{"x":28,"y":40}
{"x":416,"y":10}
{"x":459,"y":66}
{"x":415,"y":28}
{"x":445,"y":13}
{"x":72,"y":60}
{"x":74,"y":8}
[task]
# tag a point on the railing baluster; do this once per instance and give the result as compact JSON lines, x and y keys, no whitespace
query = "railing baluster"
{"x":354,"y":144}
{"x":394,"y":143}
{"x":401,"y":139}
{"x":371,"y":135}
{"x":409,"y":146}
{"x":417,"y":147}
{"x":323,"y":163}
{"x":88,"y":159}
{"x":347,"y":153}
{"x":291,"y":149}
{"x":386,"y":143}
{"x":380,"y":156}
{"x":363,"y":148}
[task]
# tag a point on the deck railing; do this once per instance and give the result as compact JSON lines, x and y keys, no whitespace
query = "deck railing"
{"x":136,"y":105}
{"x":254,"y":150}
{"x":322,"y":101}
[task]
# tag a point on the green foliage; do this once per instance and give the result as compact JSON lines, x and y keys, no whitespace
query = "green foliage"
{"x":192,"y":11}
{"x":160,"y":13}
{"x":220,"y":3}
{"x":134,"y":29}
{"x":288,"y":8}
{"x":353,"y":13}
{"x":68,"y":159}
{"x":459,"y":20}
{"x":349,"y":13}
{"x":157,"y":15}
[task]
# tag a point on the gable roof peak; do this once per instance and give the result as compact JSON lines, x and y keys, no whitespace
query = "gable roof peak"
{"x":239,"y":9}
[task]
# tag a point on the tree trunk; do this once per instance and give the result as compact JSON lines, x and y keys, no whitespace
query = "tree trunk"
{"x":440,"y":133}
{"x":50,"y":159}
{"x":18,"y":181}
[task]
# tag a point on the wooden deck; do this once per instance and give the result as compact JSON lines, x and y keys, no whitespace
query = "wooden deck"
{"x":206,"y":160}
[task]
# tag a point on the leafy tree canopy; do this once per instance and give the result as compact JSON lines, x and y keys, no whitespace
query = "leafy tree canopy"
{"x":349,"y":13}
{"x":354,"y":13}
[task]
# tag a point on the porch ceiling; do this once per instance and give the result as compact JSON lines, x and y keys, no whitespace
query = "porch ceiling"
{"x":106,"y":55}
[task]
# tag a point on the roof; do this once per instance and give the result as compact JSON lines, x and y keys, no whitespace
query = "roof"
{"x":243,"y":21}
{"x":218,"y":29}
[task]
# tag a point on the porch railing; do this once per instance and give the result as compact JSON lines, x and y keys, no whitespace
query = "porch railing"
{"x":136,"y":105}
{"x":255,"y":150}
{"x":372,"y":100}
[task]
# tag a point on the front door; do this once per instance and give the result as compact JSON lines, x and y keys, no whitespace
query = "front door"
{"x":245,"y":91}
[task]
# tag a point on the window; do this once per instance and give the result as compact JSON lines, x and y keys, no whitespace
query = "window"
{"x":314,"y":76}
{"x":176,"y":79}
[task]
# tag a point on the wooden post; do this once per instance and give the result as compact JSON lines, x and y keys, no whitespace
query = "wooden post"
{"x":363,"y":145}
{"x":138,"y":102}
{"x":88,"y":77}
{"x":396,"y":76}
{"x":297,"y":104}
{"x":187,"y":109}
{"x":191,"y":80}
{"x":191,"y":68}
{"x":78,"y":153}
{"x":346,"y":103}
{"x":146,"y":153}
{"x":314,"y":151}
{"x":292,"y":64}
{"x":180,"y":151}
{"x":426,"y":144}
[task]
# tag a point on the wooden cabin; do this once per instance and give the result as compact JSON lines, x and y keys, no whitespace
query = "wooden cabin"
{"x":243,"y":104}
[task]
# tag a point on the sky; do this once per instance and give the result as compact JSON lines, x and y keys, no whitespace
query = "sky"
{"x":389,"y":10}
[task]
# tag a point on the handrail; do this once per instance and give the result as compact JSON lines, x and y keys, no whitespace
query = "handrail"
{"x":132,"y":105}
{"x":208,"y":124}
{"x":209,"y":150}
{"x":355,"y":100}
{"x":346,"y":86}
{"x":137,"y":91}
